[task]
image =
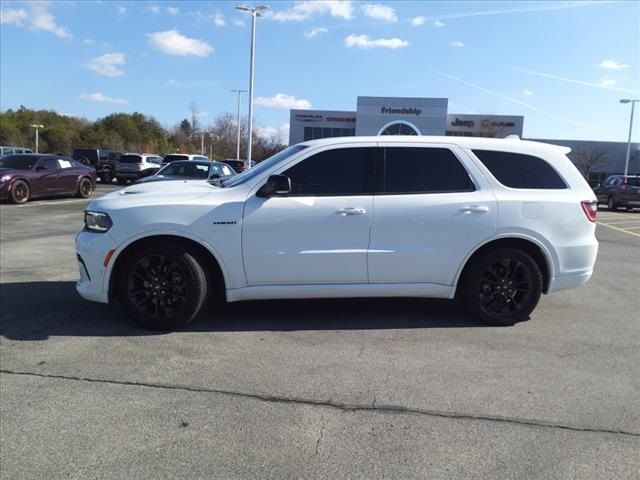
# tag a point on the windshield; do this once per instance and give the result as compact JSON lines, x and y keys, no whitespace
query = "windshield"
{"x":262,"y":166}
{"x":172,"y":158}
{"x":130,"y":159}
{"x":19,"y":162}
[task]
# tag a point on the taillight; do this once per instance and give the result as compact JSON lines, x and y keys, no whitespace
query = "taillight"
{"x":590,"y":208}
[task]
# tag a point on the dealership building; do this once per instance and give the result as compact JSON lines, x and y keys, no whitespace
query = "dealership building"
{"x":398,"y":116}
{"x":430,"y":116}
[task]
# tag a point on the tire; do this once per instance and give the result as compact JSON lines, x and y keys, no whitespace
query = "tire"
{"x":162,"y":287}
{"x":85,"y":188}
{"x":611,"y":204}
{"x":121,"y":181}
{"x":20,"y":192}
{"x":106,"y":176}
{"x":502,"y":287}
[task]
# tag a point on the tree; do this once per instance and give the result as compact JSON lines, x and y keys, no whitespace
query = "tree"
{"x":589,"y":158}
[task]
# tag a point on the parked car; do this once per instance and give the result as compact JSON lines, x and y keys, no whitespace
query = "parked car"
{"x":8,"y":150}
{"x":27,"y":176}
{"x":619,"y":191}
{"x":172,"y":157}
{"x":237,"y":165}
{"x":104,"y":161}
{"x":190,"y":170}
{"x":492,"y":222}
{"x":133,"y":166}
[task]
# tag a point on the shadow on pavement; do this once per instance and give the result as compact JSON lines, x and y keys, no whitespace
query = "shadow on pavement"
{"x":38,"y":310}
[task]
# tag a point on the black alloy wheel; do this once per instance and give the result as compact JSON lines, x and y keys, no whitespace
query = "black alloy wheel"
{"x":20,"y":192}
{"x":503,"y":287}
{"x":162,"y":287}
{"x":85,"y":189}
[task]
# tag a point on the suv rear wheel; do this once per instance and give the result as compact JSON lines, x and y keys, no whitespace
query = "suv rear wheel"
{"x":106,"y":176}
{"x":162,"y":287}
{"x":502,"y":287}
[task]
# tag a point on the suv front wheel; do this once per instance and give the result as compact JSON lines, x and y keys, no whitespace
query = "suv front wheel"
{"x":502,"y":287}
{"x":162,"y":287}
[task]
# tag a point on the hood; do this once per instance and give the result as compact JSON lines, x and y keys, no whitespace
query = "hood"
{"x":155,"y":193}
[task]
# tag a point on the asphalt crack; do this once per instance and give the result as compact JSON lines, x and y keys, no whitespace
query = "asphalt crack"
{"x":343,"y":407}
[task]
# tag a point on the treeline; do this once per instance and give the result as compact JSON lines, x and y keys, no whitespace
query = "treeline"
{"x":130,"y":132}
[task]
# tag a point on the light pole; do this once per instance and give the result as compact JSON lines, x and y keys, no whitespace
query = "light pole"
{"x":255,"y":12}
{"x":37,"y":127}
{"x":632,"y":101}
{"x":239,"y":92}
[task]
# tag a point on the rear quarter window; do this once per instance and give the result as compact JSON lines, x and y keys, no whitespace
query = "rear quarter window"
{"x":517,"y":170}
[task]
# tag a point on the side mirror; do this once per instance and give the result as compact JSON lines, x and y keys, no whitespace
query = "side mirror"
{"x":277,"y":185}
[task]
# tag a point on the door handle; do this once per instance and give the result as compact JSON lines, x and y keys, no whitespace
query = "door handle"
{"x":475,"y":209}
{"x":351,"y":211}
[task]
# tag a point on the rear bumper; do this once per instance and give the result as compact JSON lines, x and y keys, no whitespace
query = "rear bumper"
{"x":576,"y":266}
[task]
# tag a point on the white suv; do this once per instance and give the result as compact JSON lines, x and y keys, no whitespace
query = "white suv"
{"x":133,"y":166}
{"x":492,"y":222}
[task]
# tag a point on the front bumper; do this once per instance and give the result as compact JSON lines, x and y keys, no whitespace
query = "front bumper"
{"x":92,"y":249}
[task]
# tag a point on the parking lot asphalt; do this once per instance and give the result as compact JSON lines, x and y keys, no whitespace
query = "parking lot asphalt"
{"x":399,"y":388}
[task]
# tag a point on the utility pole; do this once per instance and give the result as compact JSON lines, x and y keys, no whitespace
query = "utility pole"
{"x":37,"y":127}
{"x":239,"y":92}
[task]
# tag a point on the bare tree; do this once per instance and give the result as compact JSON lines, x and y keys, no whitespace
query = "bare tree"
{"x":589,"y":158}
{"x":195,"y":113}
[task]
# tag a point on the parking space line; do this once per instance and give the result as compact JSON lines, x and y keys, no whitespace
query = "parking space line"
{"x":619,"y":229}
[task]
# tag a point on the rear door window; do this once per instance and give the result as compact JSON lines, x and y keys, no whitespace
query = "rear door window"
{"x":423,"y":170}
{"x":517,"y":170}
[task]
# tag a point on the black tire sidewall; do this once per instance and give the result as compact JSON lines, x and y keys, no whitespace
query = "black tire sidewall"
{"x":106,"y":176}
{"x":13,"y":189}
{"x":80,"y":192}
{"x":196,"y":287}
{"x":611,"y":203}
{"x":471,"y":285}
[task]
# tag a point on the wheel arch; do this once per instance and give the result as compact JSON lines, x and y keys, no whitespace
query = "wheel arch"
{"x":23,"y":179}
{"x":538,"y":252}
{"x":212,"y":264}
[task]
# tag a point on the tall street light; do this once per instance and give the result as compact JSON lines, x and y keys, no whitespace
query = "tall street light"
{"x":37,"y":127}
{"x":239,"y":92}
{"x":255,"y":12}
{"x":633,"y":104}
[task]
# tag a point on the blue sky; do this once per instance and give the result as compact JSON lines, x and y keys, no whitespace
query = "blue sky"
{"x":563,"y":65}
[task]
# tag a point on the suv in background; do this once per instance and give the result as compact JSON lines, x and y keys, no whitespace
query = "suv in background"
{"x":492,"y":222}
{"x":237,"y":165}
{"x":133,"y":166}
{"x":172,"y":157}
{"x":104,"y":161}
{"x":7,"y":150}
{"x":619,"y":191}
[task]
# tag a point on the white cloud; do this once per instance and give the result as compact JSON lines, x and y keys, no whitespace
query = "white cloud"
{"x":154,"y":9}
{"x":121,"y":10}
{"x":102,"y":98}
{"x":379,"y":12}
{"x":282,"y":132}
{"x":438,"y":24}
{"x":173,"y":42}
{"x":457,"y":44}
{"x":218,"y":20}
{"x":89,"y":41}
{"x":108,"y":64}
{"x":418,"y":21}
{"x":612,"y":65}
{"x":238,"y":23}
{"x":282,"y":100}
{"x":13,"y":16}
{"x":307,"y":9}
{"x":173,"y":11}
{"x":527,"y":93}
{"x":364,"y":42}
{"x":608,"y":82}
{"x":540,"y":7}
{"x":315,"y":32}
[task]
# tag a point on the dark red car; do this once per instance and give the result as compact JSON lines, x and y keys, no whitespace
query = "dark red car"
{"x":23,"y":177}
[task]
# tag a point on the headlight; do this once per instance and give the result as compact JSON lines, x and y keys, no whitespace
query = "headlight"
{"x":97,"y":221}
{"x":5,"y":178}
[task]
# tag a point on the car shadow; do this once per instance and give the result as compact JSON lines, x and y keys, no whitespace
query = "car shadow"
{"x":39,"y":310}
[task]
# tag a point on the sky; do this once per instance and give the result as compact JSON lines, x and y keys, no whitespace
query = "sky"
{"x":563,"y":65}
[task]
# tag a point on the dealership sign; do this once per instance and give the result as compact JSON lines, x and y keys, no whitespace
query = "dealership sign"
{"x":400,"y":111}
{"x":484,"y":123}
{"x":308,"y":117}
